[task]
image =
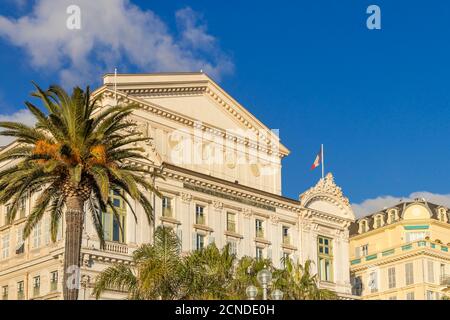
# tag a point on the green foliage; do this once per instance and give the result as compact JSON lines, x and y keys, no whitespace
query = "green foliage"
{"x":159,"y":271}
{"x":74,"y":150}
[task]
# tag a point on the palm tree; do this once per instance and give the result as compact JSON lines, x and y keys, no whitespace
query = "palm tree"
{"x":73,"y":157}
{"x":208,"y":273}
{"x":154,"y":274}
{"x":297,"y":282}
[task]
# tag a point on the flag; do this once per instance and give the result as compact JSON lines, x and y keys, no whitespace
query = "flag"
{"x":318,"y":160}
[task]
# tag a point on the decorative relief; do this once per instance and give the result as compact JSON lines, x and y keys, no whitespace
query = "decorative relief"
{"x":247,"y":212}
{"x":186,"y":197}
{"x":274,"y":219}
{"x":217,"y":205}
{"x":325,"y":186}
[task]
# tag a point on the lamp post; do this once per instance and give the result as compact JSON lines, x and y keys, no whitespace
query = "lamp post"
{"x":251,"y":292}
{"x":264,"y":277}
{"x":277,"y":294}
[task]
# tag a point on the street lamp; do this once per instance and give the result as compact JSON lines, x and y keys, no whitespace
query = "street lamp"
{"x":264,"y":277}
{"x":277,"y":294}
{"x":251,"y":292}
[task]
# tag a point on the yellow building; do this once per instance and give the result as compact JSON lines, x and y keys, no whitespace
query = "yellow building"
{"x":401,"y":252}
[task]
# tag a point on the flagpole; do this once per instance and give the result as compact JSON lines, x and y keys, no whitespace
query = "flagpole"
{"x":321,"y":157}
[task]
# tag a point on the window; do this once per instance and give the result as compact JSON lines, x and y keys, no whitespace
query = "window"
{"x":20,"y":292}
{"x":199,"y":214}
{"x":442,"y":271}
{"x":166,"y":207}
{"x":259,"y":253}
{"x":20,"y":247}
{"x":430,"y":295}
{"x":259,"y":228}
{"x":365,"y":250}
{"x":373,"y":282}
{"x":286,"y":257}
{"x":410,"y":296}
{"x":54,"y":281}
{"x":114,"y":224}
{"x":36,"y":286}
{"x":232,"y":247}
{"x":22,"y":207}
{"x":47,"y":231}
{"x":231,"y":222}
{"x":378,"y":221}
{"x":37,"y":235}
{"x":5,"y":291}
{"x":416,"y":236}
{"x":391,"y":277}
{"x":409,"y":273}
{"x":199,"y":241}
{"x":357,"y":286}
{"x":325,"y":254}
{"x":392,"y":216}
{"x":430,"y":271}
{"x":286,"y":239}
{"x":5,"y":246}
{"x":442,"y":215}
{"x":363,"y":226}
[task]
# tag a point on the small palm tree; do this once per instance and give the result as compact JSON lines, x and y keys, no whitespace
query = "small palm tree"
{"x":208,"y":273}
{"x":154,"y":274}
{"x":297,"y":282}
{"x":73,"y":157}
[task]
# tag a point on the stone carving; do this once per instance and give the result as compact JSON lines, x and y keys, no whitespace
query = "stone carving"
{"x":326,"y":187}
{"x":186,"y":197}
{"x":274,"y":219}
{"x":217,"y":205}
{"x":247,"y":212}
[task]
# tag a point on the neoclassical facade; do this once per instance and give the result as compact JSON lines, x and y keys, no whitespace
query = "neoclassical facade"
{"x":221,"y":183}
{"x":402,"y":252}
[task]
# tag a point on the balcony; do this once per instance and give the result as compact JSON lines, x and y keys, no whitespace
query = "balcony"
{"x":445,"y":280}
{"x":116,"y":247}
{"x":167,"y":212}
{"x":286,"y":240}
{"x":231,"y":226}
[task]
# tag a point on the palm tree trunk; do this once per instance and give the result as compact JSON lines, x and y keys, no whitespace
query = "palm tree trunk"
{"x":72,"y":259}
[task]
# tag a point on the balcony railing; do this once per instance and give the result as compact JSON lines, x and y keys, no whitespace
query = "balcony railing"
{"x":36,"y":291}
{"x":445,"y":280}
{"x":231,"y":226}
{"x":167,"y":212}
{"x":116,"y":247}
{"x":260,"y":233}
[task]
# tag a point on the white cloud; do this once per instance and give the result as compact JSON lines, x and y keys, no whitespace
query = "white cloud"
{"x":373,"y":205}
{"x":113,"y":33}
{"x":23,"y":116}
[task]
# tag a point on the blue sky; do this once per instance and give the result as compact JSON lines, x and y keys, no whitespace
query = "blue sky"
{"x":379,"y":100}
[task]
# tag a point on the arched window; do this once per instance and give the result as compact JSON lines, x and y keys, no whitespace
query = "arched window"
{"x":442,"y":215}
{"x":378,"y":221}
{"x":392,"y":216}
{"x":363,"y":226}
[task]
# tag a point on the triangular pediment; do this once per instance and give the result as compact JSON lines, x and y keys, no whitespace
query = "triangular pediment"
{"x":194,"y":96}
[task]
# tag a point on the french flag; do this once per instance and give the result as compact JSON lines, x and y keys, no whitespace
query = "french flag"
{"x":318,"y":159}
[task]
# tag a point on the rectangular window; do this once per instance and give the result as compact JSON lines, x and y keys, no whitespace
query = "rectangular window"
{"x":5,"y":292}
{"x":410,"y":296}
{"x":232,"y":247}
{"x":325,"y":255}
{"x":5,"y":246}
{"x":259,"y":253}
{"x":22,"y":207}
{"x":37,"y":235}
{"x":430,"y":295}
{"x":259,"y":228}
{"x":200,"y":241}
{"x":286,"y":257}
{"x":167,"y":207}
{"x":416,"y":236}
{"x":199,"y":214}
{"x":114,"y":224}
{"x":36,"y":286}
{"x":54,"y":281}
{"x":391,"y":277}
{"x":409,"y":273}
{"x":430,"y":271}
{"x":286,"y":238}
{"x":365,"y":250}
{"x":20,"y":290}
{"x":373,"y":282}
{"x":231,"y":222}
{"x":20,"y":247}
